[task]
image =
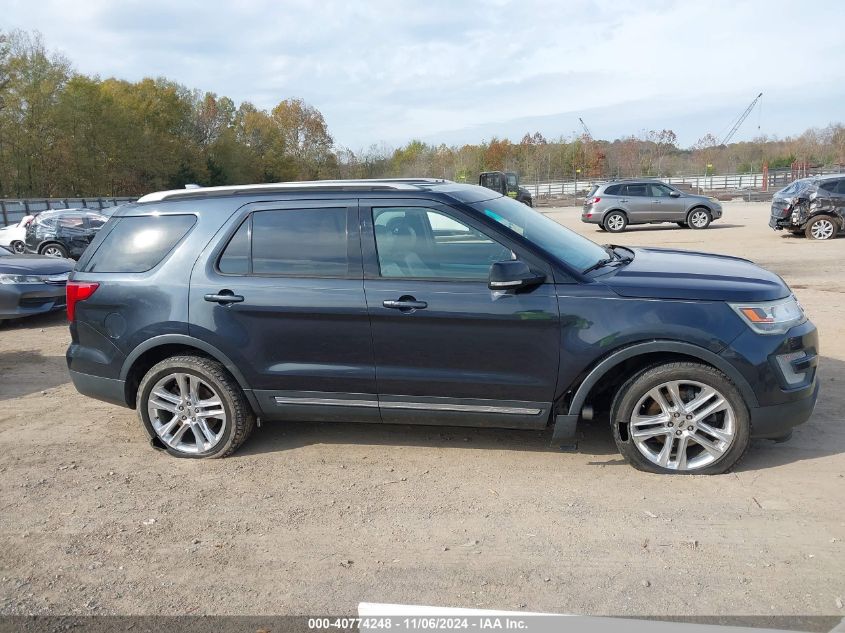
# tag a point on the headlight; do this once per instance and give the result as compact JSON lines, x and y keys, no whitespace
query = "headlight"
{"x":21,"y":279}
{"x":771,"y":317}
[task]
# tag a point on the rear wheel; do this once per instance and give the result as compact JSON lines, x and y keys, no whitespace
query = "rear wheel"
{"x":698,"y":218}
{"x":615,"y":222}
{"x":194,"y":407}
{"x":54,"y":250}
{"x":821,"y":227}
{"x":683,"y":417}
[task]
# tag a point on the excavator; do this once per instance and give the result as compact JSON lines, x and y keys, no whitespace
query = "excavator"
{"x":507,"y":184}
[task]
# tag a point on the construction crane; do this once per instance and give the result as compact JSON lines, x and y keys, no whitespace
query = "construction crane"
{"x":739,"y":121}
{"x":586,"y":129}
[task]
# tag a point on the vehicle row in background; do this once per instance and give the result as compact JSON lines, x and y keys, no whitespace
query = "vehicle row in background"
{"x":616,"y":204}
{"x":813,"y":206}
{"x":507,"y":184}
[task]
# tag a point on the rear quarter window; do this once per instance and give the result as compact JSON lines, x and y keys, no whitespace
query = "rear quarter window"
{"x":612,"y":190}
{"x":137,"y":244}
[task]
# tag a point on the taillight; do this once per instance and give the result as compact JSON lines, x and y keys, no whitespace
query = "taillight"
{"x":594,"y":200}
{"x":78,"y":291}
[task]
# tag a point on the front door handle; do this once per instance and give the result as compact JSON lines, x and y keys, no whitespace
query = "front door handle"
{"x":224,"y":297}
{"x":405,"y":304}
{"x":623,"y":201}
{"x":657,"y":202}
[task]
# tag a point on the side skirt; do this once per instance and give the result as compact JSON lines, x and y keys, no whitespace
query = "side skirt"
{"x":363,"y":407}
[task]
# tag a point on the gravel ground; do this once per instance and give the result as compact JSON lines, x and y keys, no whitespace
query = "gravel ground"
{"x":311,"y":518}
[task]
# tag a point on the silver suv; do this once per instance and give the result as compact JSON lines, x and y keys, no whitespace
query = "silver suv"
{"x":615,"y":205}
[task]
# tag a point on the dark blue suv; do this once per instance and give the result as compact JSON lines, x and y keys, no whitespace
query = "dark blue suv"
{"x":428,"y":302}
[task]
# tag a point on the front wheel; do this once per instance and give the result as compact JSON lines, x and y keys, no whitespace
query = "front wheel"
{"x":821,"y":227}
{"x":615,"y":222}
{"x":18,"y":247}
{"x":698,"y":218}
{"x":194,"y":407}
{"x":681,"y":418}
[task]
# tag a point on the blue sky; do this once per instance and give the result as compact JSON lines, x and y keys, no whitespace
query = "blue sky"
{"x":460,"y":72}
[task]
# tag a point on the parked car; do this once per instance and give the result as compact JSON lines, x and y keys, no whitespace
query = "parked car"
{"x":813,"y":206}
{"x":429,"y":303}
{"x":14,"y":235}
{"x":63,"y":233}
{"x":616,"y":205}
{"x":31,"y":284}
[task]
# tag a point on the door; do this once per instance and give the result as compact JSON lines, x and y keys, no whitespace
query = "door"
{"x":448,"y":350}
{"x":636,"y":200}
{"x":282,"y":296}
{"x":664,"y":207}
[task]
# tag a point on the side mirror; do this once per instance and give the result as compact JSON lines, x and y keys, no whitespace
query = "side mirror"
{"x":512,"y":275}
{"x":675,"y":194}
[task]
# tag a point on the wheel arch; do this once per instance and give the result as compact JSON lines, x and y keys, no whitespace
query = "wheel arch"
{"x":156,"y":349}
{"x":640,"y":355}
{"x":700,"y":205}
{"x":43,"y":245}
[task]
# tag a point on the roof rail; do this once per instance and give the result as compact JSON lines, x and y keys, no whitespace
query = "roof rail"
{"x":335,"y":185}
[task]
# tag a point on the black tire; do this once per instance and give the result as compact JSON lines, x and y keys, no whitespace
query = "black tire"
{"x":18,"y":247}
{"x":53,"y":249}
{"x":821,"y":227}
{"x":683,"y":225}
{"x":601,"y":228}
{"x":615,"y":222}
{"x":639,"y":386}
{"x":693,"y":218}
{"x":240,"y":419}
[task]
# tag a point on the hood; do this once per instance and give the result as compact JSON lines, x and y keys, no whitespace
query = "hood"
{"x":670,"y":274}
{"x":35,"y":265}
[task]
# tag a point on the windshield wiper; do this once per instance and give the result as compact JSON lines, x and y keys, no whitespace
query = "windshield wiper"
{"x":599,"y":264}
{"x":615,"y":258}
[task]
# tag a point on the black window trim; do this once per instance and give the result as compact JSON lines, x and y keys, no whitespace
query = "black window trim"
{"x":352,"y":241}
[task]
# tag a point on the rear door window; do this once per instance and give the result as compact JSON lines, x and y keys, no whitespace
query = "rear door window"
{"x":137,"y":244}
{"x":636,"y":190}
{"x":290,"y":243}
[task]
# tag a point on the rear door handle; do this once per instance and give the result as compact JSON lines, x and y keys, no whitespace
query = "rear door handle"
{"x":406,"y":304}
{"x":623,"y":201}
{"x":224,"y":297}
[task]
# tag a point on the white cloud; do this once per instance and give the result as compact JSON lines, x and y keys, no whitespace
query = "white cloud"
{"x":391,"y":71}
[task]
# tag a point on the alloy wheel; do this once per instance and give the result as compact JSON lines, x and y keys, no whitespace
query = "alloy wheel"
{"x":615,"y":222}
{"x":822,"y":229}
{"x":698,"y":219}
{"x":683,"y":425}
{"x":187,"y":413}
{"x":53,"y":251}
{"x":18,"y":247}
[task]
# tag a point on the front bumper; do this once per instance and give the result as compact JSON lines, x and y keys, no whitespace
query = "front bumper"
{"x":21,"y":300}
{"x":778,"y":420}
{"x":781,"y":372}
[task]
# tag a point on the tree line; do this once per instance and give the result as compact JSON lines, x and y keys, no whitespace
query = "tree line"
{"x":65,"y":134}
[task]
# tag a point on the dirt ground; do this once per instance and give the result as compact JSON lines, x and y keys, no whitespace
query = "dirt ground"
{"x":313,"y":518}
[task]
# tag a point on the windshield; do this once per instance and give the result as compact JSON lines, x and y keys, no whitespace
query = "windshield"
{"x":567,"y":246}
